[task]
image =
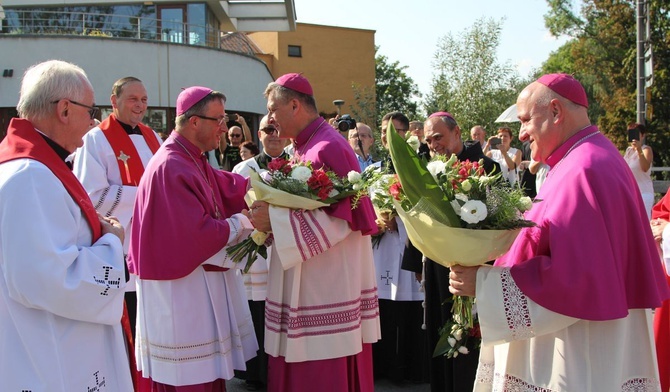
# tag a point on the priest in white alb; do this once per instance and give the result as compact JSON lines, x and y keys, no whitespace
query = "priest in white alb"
{"x":61,"y":264}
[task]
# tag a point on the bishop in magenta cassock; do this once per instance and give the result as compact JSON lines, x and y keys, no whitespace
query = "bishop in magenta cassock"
{"x":321,"y":312}
{"x":194,"y":327}
{"x":568,"y":308}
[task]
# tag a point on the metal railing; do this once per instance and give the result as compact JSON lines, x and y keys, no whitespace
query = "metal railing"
{"x":109,"y":25}
{"x":660,"y":186}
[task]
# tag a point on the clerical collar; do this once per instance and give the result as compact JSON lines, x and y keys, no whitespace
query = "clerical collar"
{"x":283,"y":154}
{"x":129,"y":129}
{"x":60,"y":151}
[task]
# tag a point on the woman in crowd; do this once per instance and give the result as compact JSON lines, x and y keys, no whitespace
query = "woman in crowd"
{"x":639,"y":157}
{"x":248,"y":150}
{"x":508,"y":157}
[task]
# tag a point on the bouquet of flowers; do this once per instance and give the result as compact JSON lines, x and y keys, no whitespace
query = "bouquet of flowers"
{"x":379,"y":186}
{"x":297,"y":186}
{"x":455,"y":213}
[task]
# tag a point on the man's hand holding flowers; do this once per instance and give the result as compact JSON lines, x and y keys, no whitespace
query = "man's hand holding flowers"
{"x":463,"y":280}
{"x":259,"y":216}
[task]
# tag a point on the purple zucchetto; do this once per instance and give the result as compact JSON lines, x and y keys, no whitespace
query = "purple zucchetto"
{"x":295,"y":82}
{"x":566,"y":86}
{"x":190,"y":97}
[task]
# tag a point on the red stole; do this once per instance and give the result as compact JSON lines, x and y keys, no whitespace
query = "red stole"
{"x":130,"y":163}
{"x":23,"y":141}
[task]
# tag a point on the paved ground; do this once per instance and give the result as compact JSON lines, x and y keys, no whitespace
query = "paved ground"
{"x":237,"y":385}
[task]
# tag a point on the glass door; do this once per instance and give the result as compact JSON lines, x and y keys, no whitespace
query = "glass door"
{"x":172,"y":24}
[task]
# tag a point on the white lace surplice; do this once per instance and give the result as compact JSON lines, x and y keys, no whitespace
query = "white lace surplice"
{"x":526,"y":347}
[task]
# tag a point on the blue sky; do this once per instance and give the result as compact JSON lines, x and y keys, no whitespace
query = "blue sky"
{"x":408,"y":31}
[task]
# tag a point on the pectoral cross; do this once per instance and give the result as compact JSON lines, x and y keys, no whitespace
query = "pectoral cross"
{"x":387,"y":277}
{"x":124,"y":158}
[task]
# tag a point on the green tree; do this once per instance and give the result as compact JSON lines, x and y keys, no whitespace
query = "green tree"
{"x":394,"y":89}
{"x":602,"y":55}
{"x":469,"y":81}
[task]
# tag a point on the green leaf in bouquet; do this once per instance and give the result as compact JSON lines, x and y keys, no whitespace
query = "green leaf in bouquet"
{"x":416,"y":180}
{"x":442,"y":347}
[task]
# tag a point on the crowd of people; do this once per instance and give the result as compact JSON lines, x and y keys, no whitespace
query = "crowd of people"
{"x":116,"y":276}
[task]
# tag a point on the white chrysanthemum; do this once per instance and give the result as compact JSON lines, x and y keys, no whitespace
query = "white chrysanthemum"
{"x":354,"y":176}
{"x":466,"y":185}
{"x":436,"y":168}
{"x":414,"y":142}
{"x":463,"y":350}
{"x":462,"y":197}
{"x":525,"y":204}
{"x":456,"y":206}
{"x":333,"y":193}
{"x":473,"y":211}
{"x":301,"y":173}
{"x":451,"y":341}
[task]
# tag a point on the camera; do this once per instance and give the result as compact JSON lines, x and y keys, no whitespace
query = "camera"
{"x":495,"y":143}
{"x":345,"y":123}
{"x":634,"y":134}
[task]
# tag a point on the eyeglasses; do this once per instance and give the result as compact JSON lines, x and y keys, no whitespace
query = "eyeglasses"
{"x":401,"y":130}
{"x":360,"y":135}
{"x":269,"y":130}
{"x":92,"y":110}
{"x":221,"y":120}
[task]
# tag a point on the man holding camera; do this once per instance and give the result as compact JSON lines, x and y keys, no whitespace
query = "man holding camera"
{"x":230,"y":153}
{"x":361,"y":140}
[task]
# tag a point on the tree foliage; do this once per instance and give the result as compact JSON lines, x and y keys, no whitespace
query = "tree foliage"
{"x":602,"y":55}
{"x":469,"y":81}
{"x":394,"y":91}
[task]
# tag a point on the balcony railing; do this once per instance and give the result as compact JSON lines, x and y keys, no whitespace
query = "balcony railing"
{"x":109,"y":25}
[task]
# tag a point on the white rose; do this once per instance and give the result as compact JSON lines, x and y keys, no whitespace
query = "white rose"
{"x":354,"y":176}
{"x":462,"y":197}
{"x":436,"y":168}
{"x":485,"y":180}
{"x":466,"y":185}
{"x":463,"y":350}
{"x":259,"y":237}
{"x":414,"y":142}
{"x":525,"y":204}
{"x":473,"y":211}
{"x":451,"y":341}
{"x":301,"y":173}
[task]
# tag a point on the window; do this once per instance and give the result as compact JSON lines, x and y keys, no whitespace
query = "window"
{"x":294,"y":51}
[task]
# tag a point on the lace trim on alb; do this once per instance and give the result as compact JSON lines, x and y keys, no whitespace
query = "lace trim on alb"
{"x":509,"y":383}
{"x":516,"y":308}
{"x":485,"y":373}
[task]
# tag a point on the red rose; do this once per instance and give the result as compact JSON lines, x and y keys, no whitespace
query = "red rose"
{"x":279,"y":164}
{"x":395,"y":190}
{"x":476,"y":331}
{"x":320,"y":183}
